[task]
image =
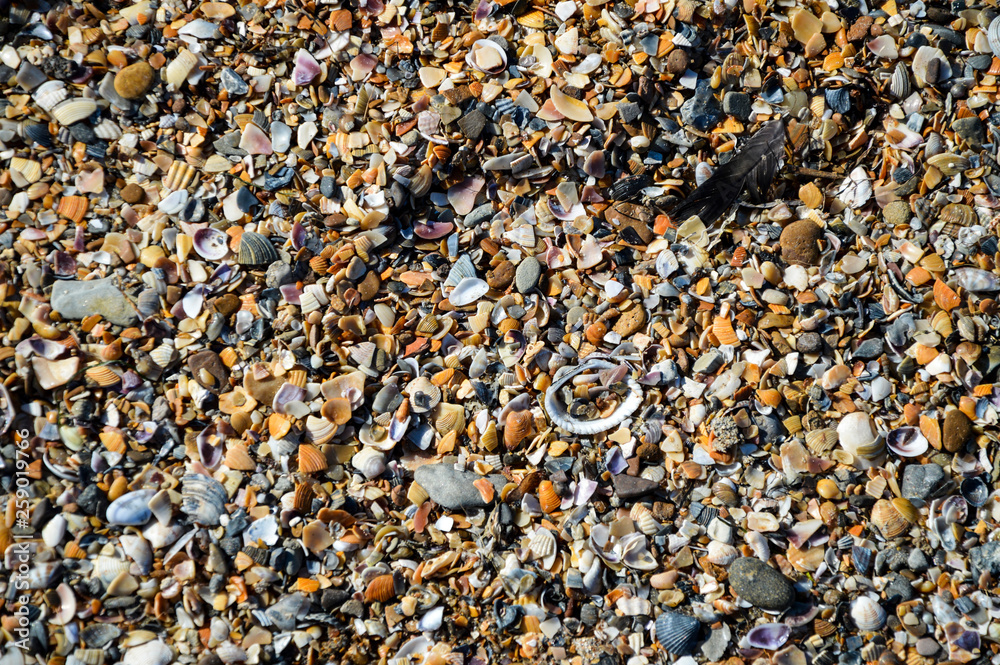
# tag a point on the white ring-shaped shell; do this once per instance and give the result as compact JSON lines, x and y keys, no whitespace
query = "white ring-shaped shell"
{"x":557,"y":410}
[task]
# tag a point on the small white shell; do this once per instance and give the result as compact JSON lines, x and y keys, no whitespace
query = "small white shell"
{"x":468,"y":291}
{"x":74,"y":110}
{"x":867,"y":614}
{"x":50,"y":93}
{"x":557,"y":410}
{"x":542,"y":544}
{"x":370,"y":462}
{"x":180,"y":67}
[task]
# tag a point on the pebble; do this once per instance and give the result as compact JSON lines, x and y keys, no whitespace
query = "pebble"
{"x":957,"y":430}
{"x":133,"y":193}
{"x":971,"y":130}
{"x":501,"y":276}
{"x":452,"y":488}
{"x":134,"y":81}
{"x":737,"y":104}
{"x":232,"y":82}
{"x":896,"y":213}
{"x":77,"y":300}
{"x":761,"y":585}
{"x":809,"y":342}
{"x":921,"y":480}
{"x":800,"y":242}
{"x":529,"y":271}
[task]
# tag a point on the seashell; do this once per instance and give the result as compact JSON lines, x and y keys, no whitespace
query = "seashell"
{"x":468,"y":291}
{"x":976,"y":280}
{"x":489,"y":438}
{"x":722,"y":328}
{"x":905,"y":508}
{"x":770,"y":636}
{"x":131,"y":509}
{"x":547,"y":497}
{"x":993,"y":35}
{"x":462,"y":269}
{"x":949,"y":164}
{"x":29,"y":169}
{"x":229,"y":653}
{"x":164,"y":354}
{"x":107,"y":568}
{"x":448,"y":418}
{"x":542,"y":544}
{"x":337,"y":410}
{"x":721,"y":554}
{"x":49,"y":94}
{"x":644,"y":519}
{"x":74,"y":110}
{"x":726,"y":491}
{"x":311,"y":459}
{"x":417,"y":494}
{"x":862,"y":558}
{"x":161,"y":507}
{"x":975,"y":491}
{"x":381,"y":589}
{"x":256,"y":250}
{"x":867,"y":614}
{"x":238,"y":458}
{"x":370,"y":462}
{"x":73,"y":207}
{"x":306,"y":68}
{"x":487,"y":56}
{"x":180,"y":68}
{"x":517,"y":428}
{"x":958,"y":213}
{"x":677,"y":633}
{"x":906,"y":442}
{"x":90,"y":656}
{"x":203,"y":499}
{"x":424,"y":395}
{"x":103,"y":376}
{"x":179,"y":176}
{"x":857,"y":435}
{"x":108,"y":130}
{"x":570,"y":107}
{"x":887,"y":519}
{"x":39,"y":133}
{"x":758,"y":543}
{"x":557,"y":412}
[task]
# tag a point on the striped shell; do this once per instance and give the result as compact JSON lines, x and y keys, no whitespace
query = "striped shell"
{"x":677,"y":633}
{"x":114,"y":441}
{"x":888,"y":519}
{"x":180,"y":67}
{"x":547,"y":497}
{"x":103,"y":376}
{"x":517,"y":428}
{"x":203,"y":499}
{"x":899,"y":82}
{"x":867,"y":614}
{"x":557,"y":410}
{"x":380,"y":589}
{"x":238,"y":458}
{"x":256,"y":250}
{"x":489,"y":438}
{"x":50,"y":93}
{"x":179,"y":176}
{"x":74,"y":110}
{"x":993,"y":35}
{"x":311,"y":460}
{"x":302,"y":500}
{"x":723,"y":331}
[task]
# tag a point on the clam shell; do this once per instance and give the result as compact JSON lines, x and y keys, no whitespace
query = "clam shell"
{"x":487,"y":56}
{"x":721,"y":554}
{"x":726,"y":492}
{"x":108,"y":130}
{"x":867,"y":614}
{"x":862,"y":558}
{"x":993,"y":35}
{"x":462,"y":269}
{"x":424,"y":395}
{"x":256,"y":250}
{"x":556,"y":410}
{"x":887,"y":519}
{"x":50,"y":93}
{"x":74,"y":110}
{"x":319,"y":430}
{"x":975,"y":491}
{"x":180,"y":68}
{"x":238,"y":458}
{"x":311,"y":460}
{"x":517,"y":427}
{"x":448,"y":418}
{"x":203,"y":499}
{"x":131,"y":509}
{"x":380,"y":589}
{"x":857,"y":435}
{"x":907,"y":442}
{"x":770,"y":636}
{"x":468,"y":291}
{"x":542,"y":544}
{"x":370,"y":462}
{"x":677,"y":633}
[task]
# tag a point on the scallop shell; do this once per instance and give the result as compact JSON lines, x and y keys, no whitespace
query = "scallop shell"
{"x":103,"y":376}
{"x":370,"y":462}
{"x":380,"y":589}
{"x":73,"y":207}
{"x":74,"y":110}
{"x":867,"y":614}
{"x":49,"y":94}
{"x":256,"y":250}
{"x":556,"y":410}
{"x":203,"y":499}
{"x":547,"y":497}
{"x":164,"y":354}
{"x":489,"y":438}
{"x":722,"y":328}
{"x":517,"y":427}
{"x":311,"y":460}
{"x":993,"y":35}
{"x":180,"y":68}
{"x":319,"y":430}
{"x":424,"y":395}
{"x":677,"y":633}
{"x":114,"y":441}
{"x":888,"y":520}
{"x":542,"y":544}
{"x":29,"y":169}
{"x":721,"y":554}
{"x":108,"y":130}
{"x":179,"y":176}
{"x":238,"y":458}
{"x":949,"y":164}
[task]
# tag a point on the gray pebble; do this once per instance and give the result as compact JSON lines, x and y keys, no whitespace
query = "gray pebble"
{"x":77,"y":300}
{"x":920,"y":481}
{"x":529,"y":271}
{"x":869,"y":349}
{"x":761,"y":585}
{"x":737,"y":104}
{"x":452,"y":488}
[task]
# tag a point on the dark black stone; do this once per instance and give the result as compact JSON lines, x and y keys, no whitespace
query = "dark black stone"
{"x":737,"y":104}
{"x":472,"y":124}
{"x":328,"y":186}
{"x":761,"y":585}
{"x":869,"y":349}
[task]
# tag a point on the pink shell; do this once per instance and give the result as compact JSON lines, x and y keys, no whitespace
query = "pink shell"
{"x":432,"y":230}
{"x":306,"y":68}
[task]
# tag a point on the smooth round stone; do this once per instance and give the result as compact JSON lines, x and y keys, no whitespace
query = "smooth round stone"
{"x":927,"y":647}
{"x":761,"y":585}
{"x":957,"y":429}
{"x":135,"y":80}
{"x":809,"y":342}
{"x":132,"y":193}
{"x":529,"y":271}
{"x":799,"y":242}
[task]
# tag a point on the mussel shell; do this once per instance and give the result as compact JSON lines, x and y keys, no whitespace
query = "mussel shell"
{"x":677,"y":633}
{"x":256,"y":250}
{"x":975,"y":491}
{"x":862,"y":559}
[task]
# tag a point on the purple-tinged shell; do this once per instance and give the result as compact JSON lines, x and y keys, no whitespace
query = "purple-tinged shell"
{"x":290,"y":293}
{"x":906,"y":442}
{"x":79,"y":240}
{"x":801,"y":614}
{"x":298,"y":236}
{"x":800,"y":534}
{"x":556,"y":209}
{"x":210,"y":447}
{"x":287,"y":394}
{"x":770,"y":636}
{"x":36,"y":346}
{"x":615,"y":461}
{"x":306,"y":68}
{"x":211,"y":244}
{"x":63,"y":264}
{"x":193,"y":301}
{"x":373,"y":7}
{"x":433,"y":230}
{"x":483,"y":9}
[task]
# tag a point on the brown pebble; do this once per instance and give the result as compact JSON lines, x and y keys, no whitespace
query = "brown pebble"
{"x":957,"y":429}
{"x":799,"y":242}
{"x":859,"y":28}
{"x":369,"y":286}
{"x":132,"y":193}
{"x":135,"y":80}
{"x":677,"y":61}
{"x":630,"y":321}
{"x":226,"y":304}
{"x":501,"y":276}
{"x":208,"y":370}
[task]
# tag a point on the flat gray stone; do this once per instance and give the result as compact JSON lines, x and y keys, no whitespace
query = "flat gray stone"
{"x":77,"y":300}
{"x":761,"y":585}
{"x":452,"y":488}
{"x":920,"y":480}
{"x":529,"y":271}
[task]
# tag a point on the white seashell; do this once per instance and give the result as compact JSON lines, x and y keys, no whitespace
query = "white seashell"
{"x":633,"y":606}
{"x":758,"y":543}
{"x":50,"y":93}
{"x":468,"y":291}
{"x":432,"y":620}
{"x":161,"y":508}
{"x":462,"y":269}
{"x":857,"y":435}
{"x":899,"y":82}
{"x":180,"y":68}
{"x":108,"y":130}
{"x":542,"y":544}
{"x":867,"y":614}
{"x":370,"y":462}
{"x":164,"y":354}
{"x":131,"y":509}
{"x":993,"y":35}
{"x":74,"y":110}
{"x":924,"y":62}
{"x":721,"y":554}
{"x":137,"y":549}
{"x":557,"y":410}
{"x":150,"y":653}
{"x":107,"y":568}
{"x":319,"y":430}
{"x":53,"y":532}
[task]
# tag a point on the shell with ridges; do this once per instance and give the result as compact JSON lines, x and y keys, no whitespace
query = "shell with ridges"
{"x":517,"y":428}
{"x":556,"y":410}
{"x":547,"y":497}
{"x":256,"y":250}
{"x":311,"y":459}
{"x":380,"y":589}
{"x":203,"y":499}
{"x":74,"y":110}
{"x":677,"y":633}
{"x":867,"y":614}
